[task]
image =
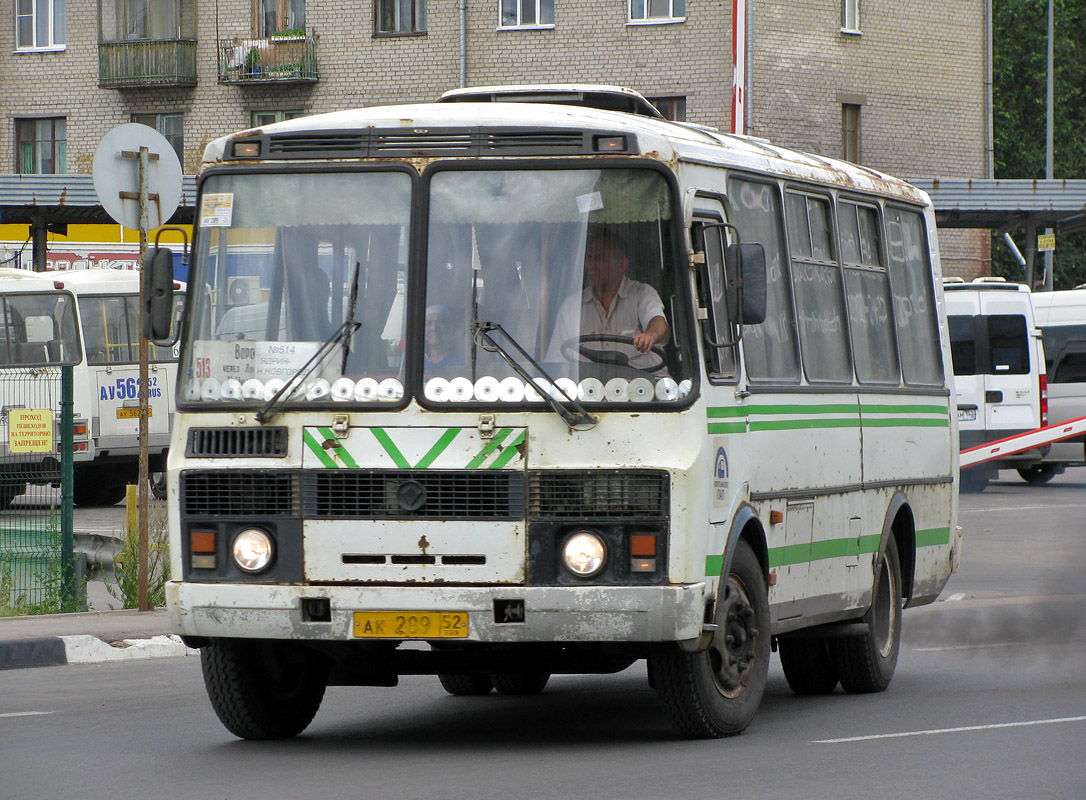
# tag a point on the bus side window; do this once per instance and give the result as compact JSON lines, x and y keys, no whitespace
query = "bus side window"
{"x":719,"y":361}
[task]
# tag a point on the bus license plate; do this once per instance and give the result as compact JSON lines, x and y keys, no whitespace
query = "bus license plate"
{"x":967,"y":415}
{"x":410,"y":624}
{"x":131,"y":413}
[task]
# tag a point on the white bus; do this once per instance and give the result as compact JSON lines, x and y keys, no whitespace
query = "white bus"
{"x":90,"y":319}
{"x":431,"y":436}
{"x":1061,"y":317}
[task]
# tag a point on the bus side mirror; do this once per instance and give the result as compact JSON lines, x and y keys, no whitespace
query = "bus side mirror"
{"x":157,"y":296}
{"x":745,"y":267}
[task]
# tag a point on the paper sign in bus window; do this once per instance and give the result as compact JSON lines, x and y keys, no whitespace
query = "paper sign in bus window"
{"x":217,"y":209}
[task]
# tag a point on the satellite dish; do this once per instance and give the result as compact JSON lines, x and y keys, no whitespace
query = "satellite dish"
{"x":117,"y":176}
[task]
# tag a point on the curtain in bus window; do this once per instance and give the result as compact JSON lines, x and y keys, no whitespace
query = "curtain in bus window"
{"x":769,"y":348}
{"x":816,"y":280}
{"x":914,"y":297}
{"x":867,"y":286}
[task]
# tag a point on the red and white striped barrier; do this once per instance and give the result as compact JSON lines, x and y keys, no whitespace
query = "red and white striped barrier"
{"x":1022,"y":441}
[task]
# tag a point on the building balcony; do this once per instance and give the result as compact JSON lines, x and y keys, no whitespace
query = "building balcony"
{"x":277,"y":59}
{"x":140,"y":63}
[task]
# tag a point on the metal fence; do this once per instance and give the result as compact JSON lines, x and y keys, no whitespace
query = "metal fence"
{"x":37,"y":564}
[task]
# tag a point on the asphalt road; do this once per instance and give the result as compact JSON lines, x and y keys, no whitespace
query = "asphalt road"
{"x":989,"y":701}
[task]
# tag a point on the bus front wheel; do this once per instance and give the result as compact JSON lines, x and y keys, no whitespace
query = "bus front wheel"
{"x":520,"y":683}
{"x":262,"y":689}
{"x":716,"y":692}
{"x":866,"y":663}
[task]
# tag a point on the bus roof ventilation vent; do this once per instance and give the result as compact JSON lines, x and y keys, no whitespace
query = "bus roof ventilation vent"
{"x":434,"y":143}
{"x":237,"y":443}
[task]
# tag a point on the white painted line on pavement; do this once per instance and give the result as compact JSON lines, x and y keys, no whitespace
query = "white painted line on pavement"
{"x":26,"y":714}
{"x":988,"y":509}
{"x":962,"y":729}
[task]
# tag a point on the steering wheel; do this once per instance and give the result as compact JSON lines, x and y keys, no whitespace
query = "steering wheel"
{"x":576,"y":345}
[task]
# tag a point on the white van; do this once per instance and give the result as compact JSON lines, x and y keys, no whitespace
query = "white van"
{"x":1061,"y":316}
{"x":999,"y":370}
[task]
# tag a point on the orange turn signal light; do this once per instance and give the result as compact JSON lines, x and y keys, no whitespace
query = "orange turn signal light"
{"x":202,"y":541}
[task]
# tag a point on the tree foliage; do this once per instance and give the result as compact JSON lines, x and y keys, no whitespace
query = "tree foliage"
{"x":1019,"y":87}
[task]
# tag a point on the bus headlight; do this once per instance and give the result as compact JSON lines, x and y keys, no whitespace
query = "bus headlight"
{"x":253,"y":550}
{"x":584,"y":553}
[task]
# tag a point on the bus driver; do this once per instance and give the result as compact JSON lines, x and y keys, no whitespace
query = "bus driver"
{"x":612,"y":304}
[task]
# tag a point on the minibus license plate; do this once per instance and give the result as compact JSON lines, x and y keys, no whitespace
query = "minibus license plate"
{"x":410,"y":624}
{"x":967,"y":415}
{"x":131,"y":413}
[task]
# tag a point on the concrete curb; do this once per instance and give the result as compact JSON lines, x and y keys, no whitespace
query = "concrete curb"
{"x":52,"y":651}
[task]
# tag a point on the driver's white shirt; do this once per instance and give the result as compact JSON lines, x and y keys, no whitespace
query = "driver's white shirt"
{"x":632,"y":309}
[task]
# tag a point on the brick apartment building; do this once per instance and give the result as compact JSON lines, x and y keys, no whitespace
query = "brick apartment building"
{"x":901,"y":88}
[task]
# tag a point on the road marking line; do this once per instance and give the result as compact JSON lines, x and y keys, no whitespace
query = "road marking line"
{"x":26,"y":714}
{"x":987,"y":509}
{"x":969,"y":647}
{"x":963,"y":729}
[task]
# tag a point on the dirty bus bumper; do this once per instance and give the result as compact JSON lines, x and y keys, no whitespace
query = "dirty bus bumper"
{"x":550,"y":614}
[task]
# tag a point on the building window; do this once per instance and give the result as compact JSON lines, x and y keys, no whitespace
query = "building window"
{"x":850,"y":16}
{"x":850,"y":132}
{"x":401,"y":16}
{"x":279,"y":16}
{"x":657,"y":10}
{"x":527,"y":13}
{"x":42,"y":146}
{"x":262,"y":118}
{"x":673,"y":108}
{"x":170,"y":126}
{"x":39,"y":24}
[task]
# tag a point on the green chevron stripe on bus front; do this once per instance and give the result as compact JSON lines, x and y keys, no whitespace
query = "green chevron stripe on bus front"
{"x":390,"y":448}
{"x":508,"y":453}
{"x":316,"y":449}
{"x":933,"y":537}
{"x":438,"y":448}
{"x":341,"y":452}
{"x":499,"y":437}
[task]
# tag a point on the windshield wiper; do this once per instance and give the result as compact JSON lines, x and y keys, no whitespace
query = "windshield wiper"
{"x":575,"y":416}
{"x":345,"y":333}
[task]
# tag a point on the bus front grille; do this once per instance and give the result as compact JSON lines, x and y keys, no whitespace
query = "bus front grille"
{"x":598,"y":494}
{"x":236,"y":443}
{"x":239,"y":493}
{"x":413,"y":494}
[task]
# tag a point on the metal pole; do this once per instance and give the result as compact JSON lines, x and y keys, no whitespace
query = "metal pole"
{"x":1048,"y":138}
{"x":141,"y":487}
{"x":69,"y":598}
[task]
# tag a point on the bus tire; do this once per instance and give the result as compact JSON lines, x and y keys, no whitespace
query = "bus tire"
{"x":807,"y":665}
{"x":261,"y":689}
{"x":717,"y":692}
{"x":87,"y":491}
{"x":9,"y":490}
{"x":866,"y":663}
{"x":1039,"y":473}
{"x":973,"y":480}
{"x":157,"y":483}
{"x":464,"y":685}
{"x":520,"y":683}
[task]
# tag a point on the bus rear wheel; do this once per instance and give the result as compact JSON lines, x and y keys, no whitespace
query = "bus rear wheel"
{"x":807,"y":665}
{"x":261,"y":689}
{"x":1040,"y":473}
{"x":866,"y":663}
{"x":520,"y":683}
{"x":717,"y":692}
{"x":463,"y":685}
{"x":9,"y":490}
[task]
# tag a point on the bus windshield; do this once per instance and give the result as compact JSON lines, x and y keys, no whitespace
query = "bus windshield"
{"x":572,"y":269}
{"x":38,"y":329}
